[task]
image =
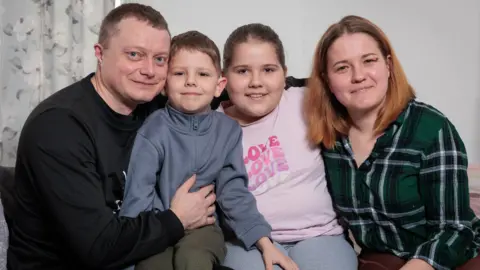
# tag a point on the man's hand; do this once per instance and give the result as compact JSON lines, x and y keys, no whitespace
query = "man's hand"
{"x":271,"y":256}
{"x":194,"y":209}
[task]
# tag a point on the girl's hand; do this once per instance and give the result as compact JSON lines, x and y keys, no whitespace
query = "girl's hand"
{"x":272,"y":255}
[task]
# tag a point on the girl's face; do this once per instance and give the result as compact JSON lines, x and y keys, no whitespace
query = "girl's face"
{"x":255,"y":80}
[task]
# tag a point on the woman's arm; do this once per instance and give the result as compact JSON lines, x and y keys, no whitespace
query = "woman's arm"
{"x":443,"y":184}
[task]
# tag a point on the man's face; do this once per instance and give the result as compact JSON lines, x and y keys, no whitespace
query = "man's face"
{"x":134,"y":63}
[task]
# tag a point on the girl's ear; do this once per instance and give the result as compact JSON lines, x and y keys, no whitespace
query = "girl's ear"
{"x":222,"y":82}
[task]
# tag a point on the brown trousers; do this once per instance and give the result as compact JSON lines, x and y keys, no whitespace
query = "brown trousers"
{"x":384,"y":261}
{"x":199,"y":249}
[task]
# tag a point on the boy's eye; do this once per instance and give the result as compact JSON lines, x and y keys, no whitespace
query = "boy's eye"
{"x":204,"y":74}
{"x":241,"y":71}
{"x":178,"y":73}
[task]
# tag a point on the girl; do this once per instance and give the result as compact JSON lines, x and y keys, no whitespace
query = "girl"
{"x":285,"y":174}
{"x":397,"y":167}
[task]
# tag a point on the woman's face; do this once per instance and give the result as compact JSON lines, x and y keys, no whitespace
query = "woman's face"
{"x":255,"y":79}
{"x":357,"y":72}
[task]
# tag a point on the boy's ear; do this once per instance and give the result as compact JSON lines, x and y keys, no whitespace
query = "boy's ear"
{"x":222,"y":82}
{"x":165,"y":89}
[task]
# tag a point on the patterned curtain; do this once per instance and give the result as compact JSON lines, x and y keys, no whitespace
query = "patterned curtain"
{"x":45,"y":45}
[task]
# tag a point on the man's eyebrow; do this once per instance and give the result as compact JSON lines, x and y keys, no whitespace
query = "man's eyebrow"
{"x":166,"y":52}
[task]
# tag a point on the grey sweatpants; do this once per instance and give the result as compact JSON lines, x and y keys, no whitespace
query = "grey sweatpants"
{"x":317,"y":253}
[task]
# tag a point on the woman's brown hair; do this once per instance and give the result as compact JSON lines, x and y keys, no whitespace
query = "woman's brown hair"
{"x":326,"y":117}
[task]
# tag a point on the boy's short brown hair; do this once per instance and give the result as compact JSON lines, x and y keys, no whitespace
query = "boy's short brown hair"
{"x":196,"y":41}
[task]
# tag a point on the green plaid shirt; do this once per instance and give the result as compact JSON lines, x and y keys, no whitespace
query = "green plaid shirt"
{"x":410,"y":197}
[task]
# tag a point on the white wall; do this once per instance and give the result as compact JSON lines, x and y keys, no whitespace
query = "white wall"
{"x":437,"y":41}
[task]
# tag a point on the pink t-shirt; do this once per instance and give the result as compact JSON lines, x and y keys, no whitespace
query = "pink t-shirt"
{"x":287,"y":176}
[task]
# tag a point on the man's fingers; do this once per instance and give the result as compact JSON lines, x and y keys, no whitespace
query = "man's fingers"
{"x":210,"y":199}
{"x":211,"y":210}
{"x":210,"y":220}
{"x":206,"y":190}
{"x":185,"y":187}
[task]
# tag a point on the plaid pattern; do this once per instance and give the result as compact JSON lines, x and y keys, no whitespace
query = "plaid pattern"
{"x":410,"y":197}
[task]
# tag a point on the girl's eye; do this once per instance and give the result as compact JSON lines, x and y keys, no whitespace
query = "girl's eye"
{"x":268,"y":70}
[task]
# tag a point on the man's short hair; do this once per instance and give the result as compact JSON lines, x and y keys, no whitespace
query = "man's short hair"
{"x":132,"y":10}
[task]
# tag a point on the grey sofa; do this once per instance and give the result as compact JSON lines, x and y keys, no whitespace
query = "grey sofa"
{"x":6,"y":206}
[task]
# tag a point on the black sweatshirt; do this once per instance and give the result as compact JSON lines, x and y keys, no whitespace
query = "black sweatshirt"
{"x":72,"y":154}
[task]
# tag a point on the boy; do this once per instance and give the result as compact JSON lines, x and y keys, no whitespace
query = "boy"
{"x":187,"y":138}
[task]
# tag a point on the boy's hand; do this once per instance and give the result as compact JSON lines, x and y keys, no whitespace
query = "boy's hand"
{"x":272,"y":255}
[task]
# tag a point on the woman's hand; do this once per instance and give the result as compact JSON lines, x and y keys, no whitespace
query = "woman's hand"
{"x":272,"y":255}
{"x":417,"y":264}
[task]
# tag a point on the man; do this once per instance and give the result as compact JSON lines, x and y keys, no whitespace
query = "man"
{"x":74,"y":150}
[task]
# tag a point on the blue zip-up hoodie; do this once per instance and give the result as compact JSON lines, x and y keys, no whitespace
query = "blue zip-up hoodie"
{"x":171,"y":146}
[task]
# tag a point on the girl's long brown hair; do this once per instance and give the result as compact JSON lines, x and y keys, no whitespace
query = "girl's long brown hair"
{"x":326,"y":118}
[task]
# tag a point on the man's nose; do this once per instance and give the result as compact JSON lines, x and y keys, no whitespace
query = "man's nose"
{"x":148,"y":68}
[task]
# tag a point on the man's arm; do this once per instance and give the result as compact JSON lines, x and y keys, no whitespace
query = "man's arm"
{"x":62,"y":158}
{"x":235,"y":200}
{"x":142,"y":171}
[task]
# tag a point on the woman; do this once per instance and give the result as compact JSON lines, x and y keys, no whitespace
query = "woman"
{"x":286,"y":175}
{"x":397,"y":168}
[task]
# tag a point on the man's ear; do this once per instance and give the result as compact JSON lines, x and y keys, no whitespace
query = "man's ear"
{"x":98,"y":52}
{"x":222,"y":82}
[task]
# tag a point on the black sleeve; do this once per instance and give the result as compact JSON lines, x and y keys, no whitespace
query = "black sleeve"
{"x":62,"y":160}
{"x":291,"y":81}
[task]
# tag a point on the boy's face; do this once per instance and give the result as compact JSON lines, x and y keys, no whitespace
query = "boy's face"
{"x":193,"y":81}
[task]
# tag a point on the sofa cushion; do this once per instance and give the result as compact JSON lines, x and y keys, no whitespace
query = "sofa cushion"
{"x":7,"y":178}
{"x":6,"y":186}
